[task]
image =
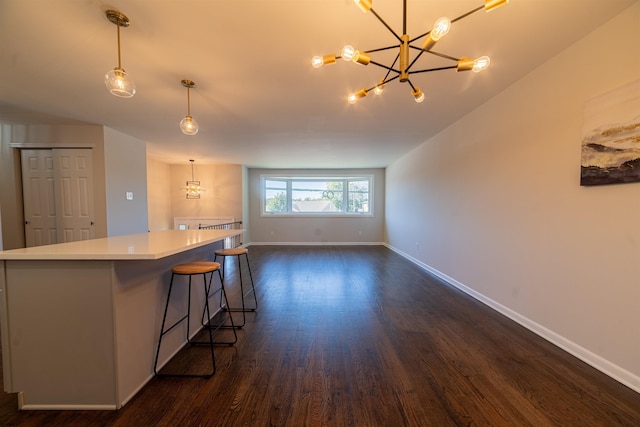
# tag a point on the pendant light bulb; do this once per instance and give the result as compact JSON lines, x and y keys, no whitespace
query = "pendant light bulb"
{"x":188,"y":125}
{"x":119,"y":84}
{"x":117,"y":80}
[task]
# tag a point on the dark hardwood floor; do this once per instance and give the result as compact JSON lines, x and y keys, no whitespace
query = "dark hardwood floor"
{"x":358,"y":336}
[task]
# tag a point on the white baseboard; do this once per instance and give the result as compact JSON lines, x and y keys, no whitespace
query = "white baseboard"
{"x":603,"y":365}
{"x":315,"y":244}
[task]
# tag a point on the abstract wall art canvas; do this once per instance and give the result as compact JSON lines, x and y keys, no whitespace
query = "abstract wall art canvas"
{"x":611,"y":137}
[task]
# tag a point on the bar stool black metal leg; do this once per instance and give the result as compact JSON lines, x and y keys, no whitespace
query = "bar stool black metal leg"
{"x":162,"y":331}
{"x":223,"y":302}
{"x":243,"y":294}
{"x":189,"y":341}
{"x":253,"y":288}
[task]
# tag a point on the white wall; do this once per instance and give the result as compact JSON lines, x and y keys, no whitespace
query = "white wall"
{"x":494,"y":204}
{"x":266,"y":229}
{"x":125,"y":171}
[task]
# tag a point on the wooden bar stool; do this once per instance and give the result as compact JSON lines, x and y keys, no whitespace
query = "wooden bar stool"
{"x":193,"y":269}
{"x":238,"y":252}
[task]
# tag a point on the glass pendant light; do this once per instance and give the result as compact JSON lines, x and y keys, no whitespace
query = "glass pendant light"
{"x":117,"y":80}
{"x":188,"y":125}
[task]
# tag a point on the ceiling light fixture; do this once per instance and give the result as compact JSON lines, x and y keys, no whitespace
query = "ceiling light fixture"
{"x":193,"y":186}
{"x":404,"y":69}
{"x":188,"y":125}
{"x":117,"y":80}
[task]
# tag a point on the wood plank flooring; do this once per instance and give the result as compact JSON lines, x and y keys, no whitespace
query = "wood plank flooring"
{"x":358,"y":336}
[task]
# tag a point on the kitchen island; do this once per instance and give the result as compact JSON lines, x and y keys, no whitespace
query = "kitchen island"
{"x":80,"y":321}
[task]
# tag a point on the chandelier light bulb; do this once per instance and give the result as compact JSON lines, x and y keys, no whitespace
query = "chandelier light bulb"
{"x":440,"y":28}
{"x":348,"y":52}
{"x":379,"y":87}
{"x":353,"y":98}
{"x":418,"y":95}
{"x":319,"y":61}
{"x":480,"y":64}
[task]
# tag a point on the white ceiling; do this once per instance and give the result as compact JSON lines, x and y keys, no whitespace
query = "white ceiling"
{"x":258,"y":100}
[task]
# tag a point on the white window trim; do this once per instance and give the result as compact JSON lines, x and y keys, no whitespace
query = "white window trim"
{"x":327,"y":176}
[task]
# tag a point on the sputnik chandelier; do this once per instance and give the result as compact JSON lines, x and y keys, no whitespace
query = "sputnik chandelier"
{"x":405,"y":68}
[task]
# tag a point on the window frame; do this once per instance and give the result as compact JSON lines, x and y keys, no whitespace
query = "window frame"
{"x":290,"y":178}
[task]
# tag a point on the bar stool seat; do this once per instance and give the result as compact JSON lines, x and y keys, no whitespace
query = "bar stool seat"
{"x":191,"y":269}
{"x":238,"y":252}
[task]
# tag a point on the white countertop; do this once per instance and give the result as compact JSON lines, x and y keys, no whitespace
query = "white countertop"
{"x":153,"y":245}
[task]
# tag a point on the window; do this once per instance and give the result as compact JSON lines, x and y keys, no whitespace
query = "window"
{"x":311,"y":195}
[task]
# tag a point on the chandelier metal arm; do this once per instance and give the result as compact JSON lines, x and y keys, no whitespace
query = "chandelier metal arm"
{"x":386,"y":25}
{"x":442,"y":55}
{"x":392,"y":65}
{"x":450,"y":67}
{"x":385,"y":67}
{"x":384,"y":81}
{"x":395,"y":46}
{"x":404,"y":17}
{"x":416,"y":58}
{"x":467,"y":14}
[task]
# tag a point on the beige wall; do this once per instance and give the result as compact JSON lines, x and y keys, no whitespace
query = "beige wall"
{"x":267,"y":229}
{"x":222,"y":195}
{"x":494,"y":204}
{"x":159,"y":194}
{"x":125,"y":171}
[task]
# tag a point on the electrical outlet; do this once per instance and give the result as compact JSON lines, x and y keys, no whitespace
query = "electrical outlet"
{"x":129,"y":195}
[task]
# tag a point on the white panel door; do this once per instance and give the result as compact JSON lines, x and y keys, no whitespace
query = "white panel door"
{"x":57,"y":188}
{"x":74,"y":194}
{"x":38,"y":190}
